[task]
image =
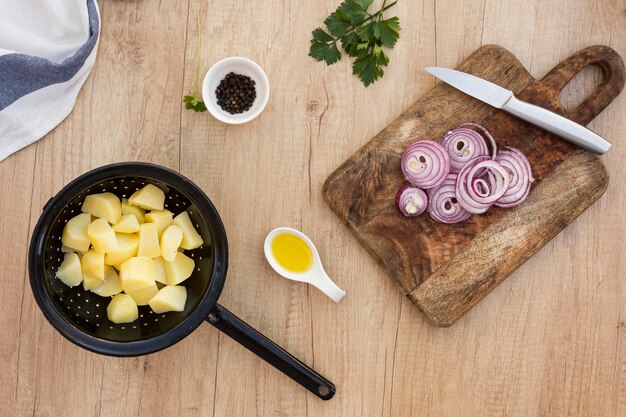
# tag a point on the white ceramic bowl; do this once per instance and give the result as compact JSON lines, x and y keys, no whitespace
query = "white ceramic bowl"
{"x":238,"y":65}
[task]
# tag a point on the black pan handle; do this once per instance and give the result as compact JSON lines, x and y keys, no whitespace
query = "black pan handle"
{"x":269,"y":351}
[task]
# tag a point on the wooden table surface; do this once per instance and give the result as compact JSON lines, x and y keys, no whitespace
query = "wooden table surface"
{"x":550,"y":341}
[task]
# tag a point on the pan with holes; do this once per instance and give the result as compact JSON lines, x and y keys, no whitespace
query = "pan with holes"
{"x":81,"y":316}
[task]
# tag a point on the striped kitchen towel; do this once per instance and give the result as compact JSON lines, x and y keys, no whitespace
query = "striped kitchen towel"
{"x":47,"y":50}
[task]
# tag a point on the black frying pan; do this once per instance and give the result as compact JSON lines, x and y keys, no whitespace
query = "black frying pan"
{"x":81,"y":316}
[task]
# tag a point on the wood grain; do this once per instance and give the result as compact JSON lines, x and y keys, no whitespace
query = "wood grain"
{"x":362,"y":190}
{"x":551,"y":340}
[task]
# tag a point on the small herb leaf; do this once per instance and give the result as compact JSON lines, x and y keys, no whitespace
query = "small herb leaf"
{"x":364,"y":4}
{"x":354,"y":11}
{"x":320,"y":35}
{"x":349,"y":42}
{"x":328,"y":53}
{"x":366,"y":32}
{"x":337,"y":24}
{"x":367,"y":69}
{"x":389,"y":31}
{"x":194,"y":103}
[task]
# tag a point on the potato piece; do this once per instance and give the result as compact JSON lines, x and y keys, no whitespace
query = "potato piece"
{"x":127,"y":224}
{"x":92,"y":265}
{"x":66,"y":249}
{"x":135,"y":211}
{"x":70,"y":271}
{"x":111,"y":284}
{"x":91,"y":283}
{"x":191,"y":238}
{"x":127,"y":245}
{"x":149,"y":197}
{"x":122,"y":309}
{"x":162,"y":218}
{"x":159,"y":269}
{"x":149,"y":241}
{"x":105,"y":206}
{"x":170,"y":298}
{"x":102,"y":236}
{"x":170,"y":241}
{"x":179,"y":270}
{"x":137,"y":273}
{"x":75,"y":233}
{"x":142,"y":297}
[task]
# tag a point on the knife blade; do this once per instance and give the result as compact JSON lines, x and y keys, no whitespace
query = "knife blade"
{"x":504,"y":99}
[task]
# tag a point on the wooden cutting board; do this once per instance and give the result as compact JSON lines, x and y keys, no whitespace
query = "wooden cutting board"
{"x":445,"y":270}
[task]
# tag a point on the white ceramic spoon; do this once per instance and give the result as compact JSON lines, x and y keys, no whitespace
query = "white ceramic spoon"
{"x":315,"y":275}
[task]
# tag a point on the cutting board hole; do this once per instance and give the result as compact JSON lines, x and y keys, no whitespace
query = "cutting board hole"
{"x":580,"y":87}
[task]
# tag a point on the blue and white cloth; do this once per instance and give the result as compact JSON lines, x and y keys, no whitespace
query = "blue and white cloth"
{"x":47,"y":50}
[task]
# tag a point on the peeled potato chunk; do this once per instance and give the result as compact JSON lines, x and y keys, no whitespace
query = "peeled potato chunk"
{"x":149,"y":197}
{"x":170,"y":298}
{"x":191,"y":238}
{"x":127,"y":224}
{"x":159,"y":269}
{"x":102,"y":236}
{"x":70,"y":271}
{"x":162,"y":219}
{"x":75,"y":233}
{"x":127,"y":245}
{"x":135,"y":211}
{"x":105,"y":205}
{"x":111,"y":284}
{"x":137,"y":273}
{"x":122,"y":309}
{"x":149,"y":241}
{"x":179,"y":269}
{"x":142,"y":297}
{"x":92,"y":265}
{"x":90,"y":283}
{"x":66,"y":249}
{"x":170,"y":241}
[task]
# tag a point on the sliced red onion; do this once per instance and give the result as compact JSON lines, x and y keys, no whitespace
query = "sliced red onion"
{"x":475,"y":194}
{"x":464,"y":144}
{"x":443,"y":205}
{"x":411,"y":201}
{"x":518,"y":167}
{"x":425,"y":164}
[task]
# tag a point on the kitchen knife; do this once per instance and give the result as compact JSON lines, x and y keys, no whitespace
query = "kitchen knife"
{"x":501,"y":98}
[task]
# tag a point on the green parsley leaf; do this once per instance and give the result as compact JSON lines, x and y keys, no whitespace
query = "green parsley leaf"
{"x":194,"y":103}
{"x":321,"y":36}
{"x":337,"y":24}
{"x":366,"y":32}
{"x":389,"y":31}
{"x":354,"y":11}
{"x":349,"y":43}
{"x":362,"y":36}
{"x":363,"y":4}
{"x":326,"y":52}
{"x":367,"y":69}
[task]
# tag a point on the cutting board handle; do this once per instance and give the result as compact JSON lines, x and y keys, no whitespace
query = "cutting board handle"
{"x":613,"y":73}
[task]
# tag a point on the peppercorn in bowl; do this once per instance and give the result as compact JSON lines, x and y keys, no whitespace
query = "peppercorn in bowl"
{"x":235,"y":90}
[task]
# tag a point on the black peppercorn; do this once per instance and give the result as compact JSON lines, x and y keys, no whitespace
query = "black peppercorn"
{"x":236,"y":93}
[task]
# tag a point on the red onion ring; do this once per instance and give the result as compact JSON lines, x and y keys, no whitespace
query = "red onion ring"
{"x":464,"y":144}
{"x":443,"y":205}
{"x":475,"y":194}
{"x":411,"y":201}
{"x":516,"y":163}
{"x":425,"y":164}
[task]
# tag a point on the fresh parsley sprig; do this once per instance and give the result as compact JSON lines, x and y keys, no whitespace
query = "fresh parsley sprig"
{"x":362,"y":36}
{"x":194,"y":101}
